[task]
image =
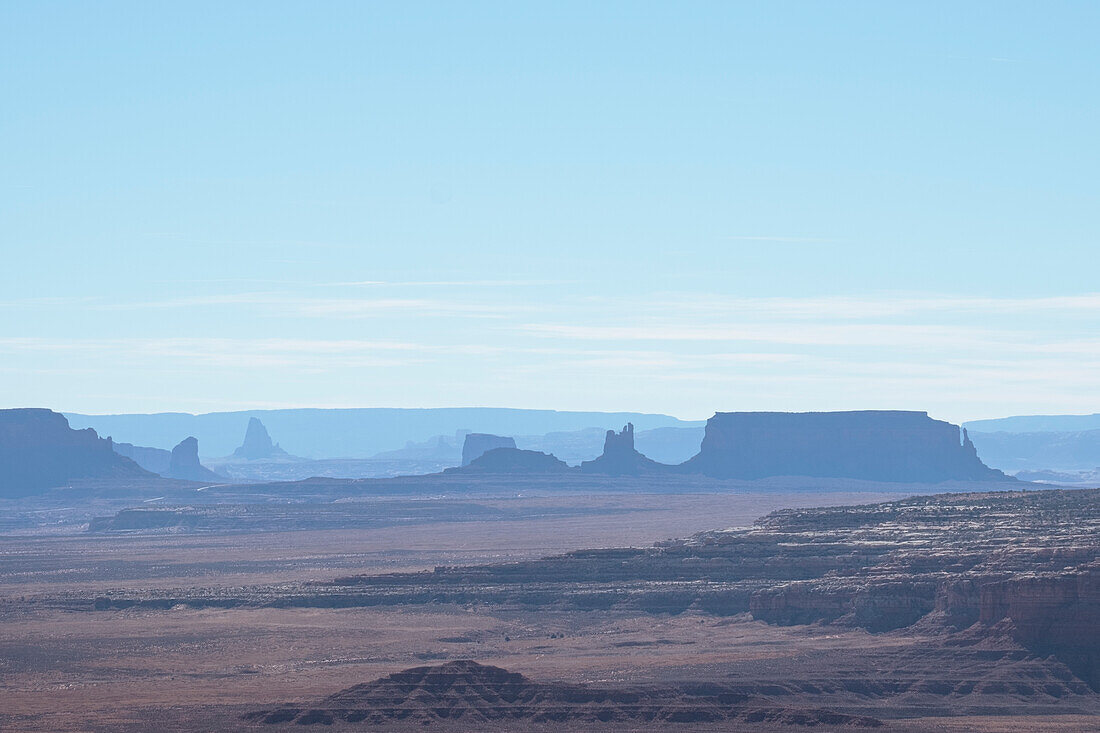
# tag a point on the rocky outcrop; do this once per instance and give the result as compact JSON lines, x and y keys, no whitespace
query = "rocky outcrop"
{"x":155,"y":460}
{"x":513,"y":460}
{"x":1055,"y":613}
{"x":38,"y":450}
{"x":257,"y":443}
{"x":872,"y":445}
{"x":181,"y":462}
{"x":879,"y":566}
{"x":184,"y":463}
{"x":476,"y":444}
{"x":619,"y":458}
{"x":481,"y":694}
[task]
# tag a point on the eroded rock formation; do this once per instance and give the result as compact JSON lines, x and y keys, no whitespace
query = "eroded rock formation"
{"x":257,"y":443}
{"x":38,"y":450}
{"x":619,"y":457}
{"x":474,"y":694}
{"x":872,"y":444}
{"x":476,"y":444}
{"x":184,"y":463}
{"x":155,"y":460}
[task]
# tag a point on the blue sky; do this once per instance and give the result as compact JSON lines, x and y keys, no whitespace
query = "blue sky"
{"x":676,"y":207}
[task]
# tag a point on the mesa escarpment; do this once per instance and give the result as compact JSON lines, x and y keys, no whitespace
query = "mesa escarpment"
{"x":983,"y":562}
{"x":38,"y":450}
{"x":869,"y":445}
{"x":475,"y":445}
{"x":885,"y":445}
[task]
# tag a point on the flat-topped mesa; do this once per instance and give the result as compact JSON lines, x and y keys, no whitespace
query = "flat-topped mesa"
{"x":184,"y":463}
{"x":38,"y":450}
{"x":476,"y":444}
{"x":257,"y":443}
{"x":876,"y":445}
{"x":620,"y":458}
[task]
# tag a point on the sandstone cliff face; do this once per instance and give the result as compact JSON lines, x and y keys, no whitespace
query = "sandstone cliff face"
{"x":619,"y":458}
{"x":871,"y":445}
{"x":1056,"y":613}
{"x":476,"y":444}
{"x":38,"y":450}
{"x":257,"y":443}
{"x":184,"y":463}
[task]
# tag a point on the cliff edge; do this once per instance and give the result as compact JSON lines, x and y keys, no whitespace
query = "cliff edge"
{"x":875,"y":445}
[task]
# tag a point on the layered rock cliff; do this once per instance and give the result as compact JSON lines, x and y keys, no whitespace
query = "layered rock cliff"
{"x":872,"y":445}
{"x":476,"y":444}
{"x":38,"y":450}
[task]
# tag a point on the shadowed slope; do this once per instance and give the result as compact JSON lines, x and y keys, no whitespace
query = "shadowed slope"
{"x":475,"y":693}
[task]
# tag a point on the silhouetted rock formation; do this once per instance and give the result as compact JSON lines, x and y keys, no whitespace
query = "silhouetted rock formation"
{"x":476,"y":444}
{"x":872,"y":445}
{"x":482,"y":694}
{"x":184,"y":463}
{"x":619,"y":457}
{"x":181,"y":462}
{"x":257,"y":443}
{"x":38,"y":450}
{"x":155,"y":460}
{"x":513,"y":460}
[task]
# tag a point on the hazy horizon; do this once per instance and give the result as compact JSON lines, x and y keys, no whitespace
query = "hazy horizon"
{"x":685,"y":210}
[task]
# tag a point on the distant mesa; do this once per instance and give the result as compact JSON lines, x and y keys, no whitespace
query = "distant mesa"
{"x":257,"y":443}
{"x":184,"y":463}
{"x":38,"y":450}
{"x":620,"y":458}
{"x":444,"y":450}
{"x":871,"y":445}
{"x":154,"y":460}
{"x":181,"y":462}
{"x":1040,"y":451}
{"x":513,"y":460}
{"x":476,"y":444}
{"x":876,"y":445}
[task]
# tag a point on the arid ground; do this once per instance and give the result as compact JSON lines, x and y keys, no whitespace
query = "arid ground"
{"x":64,"y":667}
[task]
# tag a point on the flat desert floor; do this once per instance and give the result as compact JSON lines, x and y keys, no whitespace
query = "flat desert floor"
{"x":198,"y":669}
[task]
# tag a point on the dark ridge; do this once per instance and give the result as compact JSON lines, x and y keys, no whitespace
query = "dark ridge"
{"x":513,"y":460}
{"x":38,"y":450}
{"x":477,"y":694}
